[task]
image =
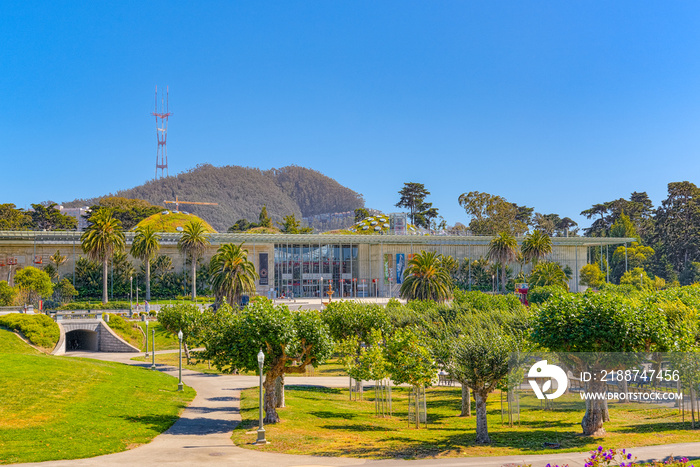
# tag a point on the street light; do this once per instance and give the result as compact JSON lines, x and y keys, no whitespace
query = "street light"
{"x":153,"y":349}
{"x":146,"y":337}
{"x":131,"y":304}
{"x":179,"y":338}
{"x":261,"y":430}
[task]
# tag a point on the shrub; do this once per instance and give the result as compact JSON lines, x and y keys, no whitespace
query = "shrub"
{"x":39,"y":329}
{"x":538,"y":295}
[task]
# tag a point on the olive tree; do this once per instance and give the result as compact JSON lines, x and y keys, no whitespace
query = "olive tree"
{"x":599,"y":323}
{"x":290,"y":340}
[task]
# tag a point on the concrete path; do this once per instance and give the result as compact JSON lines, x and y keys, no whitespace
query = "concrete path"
{"x":202,"y":435}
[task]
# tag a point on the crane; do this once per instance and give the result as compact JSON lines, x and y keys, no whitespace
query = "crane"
{"x":177,"y":203}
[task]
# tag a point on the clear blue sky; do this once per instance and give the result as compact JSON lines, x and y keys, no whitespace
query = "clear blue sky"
{"x":556,"y":105}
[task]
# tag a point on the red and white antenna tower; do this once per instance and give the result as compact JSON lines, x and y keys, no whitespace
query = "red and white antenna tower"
{"x":162,"y":134}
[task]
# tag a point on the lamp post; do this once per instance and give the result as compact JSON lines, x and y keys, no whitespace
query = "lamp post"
{"x":146,"y":337}
{"x":153,"y":349}
{"x":261,"y":430}
{"x":179,"y":338}
{"x":131,"y":304}
{"x":493,"y":284}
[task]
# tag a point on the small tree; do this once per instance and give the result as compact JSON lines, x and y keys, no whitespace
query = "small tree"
{"x":263,"y":219}
{"x":185,"y":317}
{"x":34,"y":284}
{"x":592,"y":276}
{"x":410,"y":361}
{"x":57,"y":259}
{"x":7,"y":294}
{"x":483,"y":358}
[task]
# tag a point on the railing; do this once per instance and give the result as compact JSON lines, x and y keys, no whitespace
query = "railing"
{"x":85,"y":314}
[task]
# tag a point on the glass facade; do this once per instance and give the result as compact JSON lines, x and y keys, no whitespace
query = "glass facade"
{"x":310,"y":270}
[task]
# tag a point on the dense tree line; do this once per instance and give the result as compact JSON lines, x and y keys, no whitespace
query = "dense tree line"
{"x":668,"y":236}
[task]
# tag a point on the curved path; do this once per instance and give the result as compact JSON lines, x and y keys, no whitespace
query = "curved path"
{"x":202,"y":435}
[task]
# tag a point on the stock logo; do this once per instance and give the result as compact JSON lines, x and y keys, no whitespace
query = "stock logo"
{"x":552,"y":372}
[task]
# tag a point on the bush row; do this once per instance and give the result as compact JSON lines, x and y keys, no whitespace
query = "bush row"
{"x":39,"y":329}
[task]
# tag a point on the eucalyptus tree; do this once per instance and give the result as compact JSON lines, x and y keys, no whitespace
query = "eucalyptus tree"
{"x":193,"y":242}
{"x":145,"y":247}
{"x":426,"y":278}
{"x":536,"y":246}
{"x":503,"y":249}
{"x":231,"y":273}
{"x":103,"y":237}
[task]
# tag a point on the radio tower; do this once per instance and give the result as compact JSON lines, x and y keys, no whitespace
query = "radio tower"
{"x":162,"y":133}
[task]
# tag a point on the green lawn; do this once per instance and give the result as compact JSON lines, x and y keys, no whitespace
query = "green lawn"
{"x":324,"y":422}
{"x":66,"y":408}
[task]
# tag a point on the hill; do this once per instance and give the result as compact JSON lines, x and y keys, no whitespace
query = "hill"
{"x":242,"y":191}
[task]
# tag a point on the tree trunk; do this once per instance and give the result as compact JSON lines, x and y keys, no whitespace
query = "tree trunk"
{"x":592,"y":422}
{"x":482,"y":429}
{"x":606,"y":412}
{"x":466,"y":402}
{"x":270,"y":399}
{"x":187,"y":352}
{"x":148,"y":280}
{"x":503,"y":278}
{"x":279,"y":389}
{"x":194,"y":280}
{"x":104,"y":280}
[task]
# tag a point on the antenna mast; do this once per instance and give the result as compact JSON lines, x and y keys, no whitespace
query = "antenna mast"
{"x":162,"y":133}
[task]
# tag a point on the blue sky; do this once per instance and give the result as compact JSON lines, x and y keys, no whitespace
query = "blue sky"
{"x":554,"y":105}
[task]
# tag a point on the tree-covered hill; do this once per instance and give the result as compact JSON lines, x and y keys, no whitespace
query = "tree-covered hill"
{"x":242,"y":191}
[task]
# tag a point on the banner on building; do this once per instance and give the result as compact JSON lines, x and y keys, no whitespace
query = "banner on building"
{"x":400,"y":267}
{"x":387,"y":266}
{"x":262,"y":268}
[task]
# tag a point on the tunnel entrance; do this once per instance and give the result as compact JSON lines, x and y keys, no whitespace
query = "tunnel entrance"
{"x":81,"y":339}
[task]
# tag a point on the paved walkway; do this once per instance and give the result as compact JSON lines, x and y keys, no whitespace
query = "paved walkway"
{"x":202,"y":435}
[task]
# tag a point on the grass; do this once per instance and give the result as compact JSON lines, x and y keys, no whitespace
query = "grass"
{"x":323,"y":422}
{"x":66,"y":408}
{"x":128,"y":330}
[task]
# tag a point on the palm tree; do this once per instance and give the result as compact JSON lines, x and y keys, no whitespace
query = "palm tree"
{"x":145,"y":247}
{"x":101,"y":240}
{"x":426,"y":278}
{"x":536,"y":246}
{"x":503,"y":249}
{"x":193,"y":242}
{"x":231,"y":273}
{"x":57,"y":259}
{"x":549,"y":273}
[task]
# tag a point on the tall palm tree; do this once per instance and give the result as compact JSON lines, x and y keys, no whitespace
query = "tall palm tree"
{"x":145,"y":247}
{"x":426,"y":278}
{"x":193,"y":242}
{"x":549,"y":273}
{"x":536,"y":246}
{"x":503,"y":249}
{"x":102,"y":238}
{"x":231,"y":273}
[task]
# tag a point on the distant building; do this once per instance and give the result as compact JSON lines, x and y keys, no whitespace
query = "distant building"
{"x":78,"y":213}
